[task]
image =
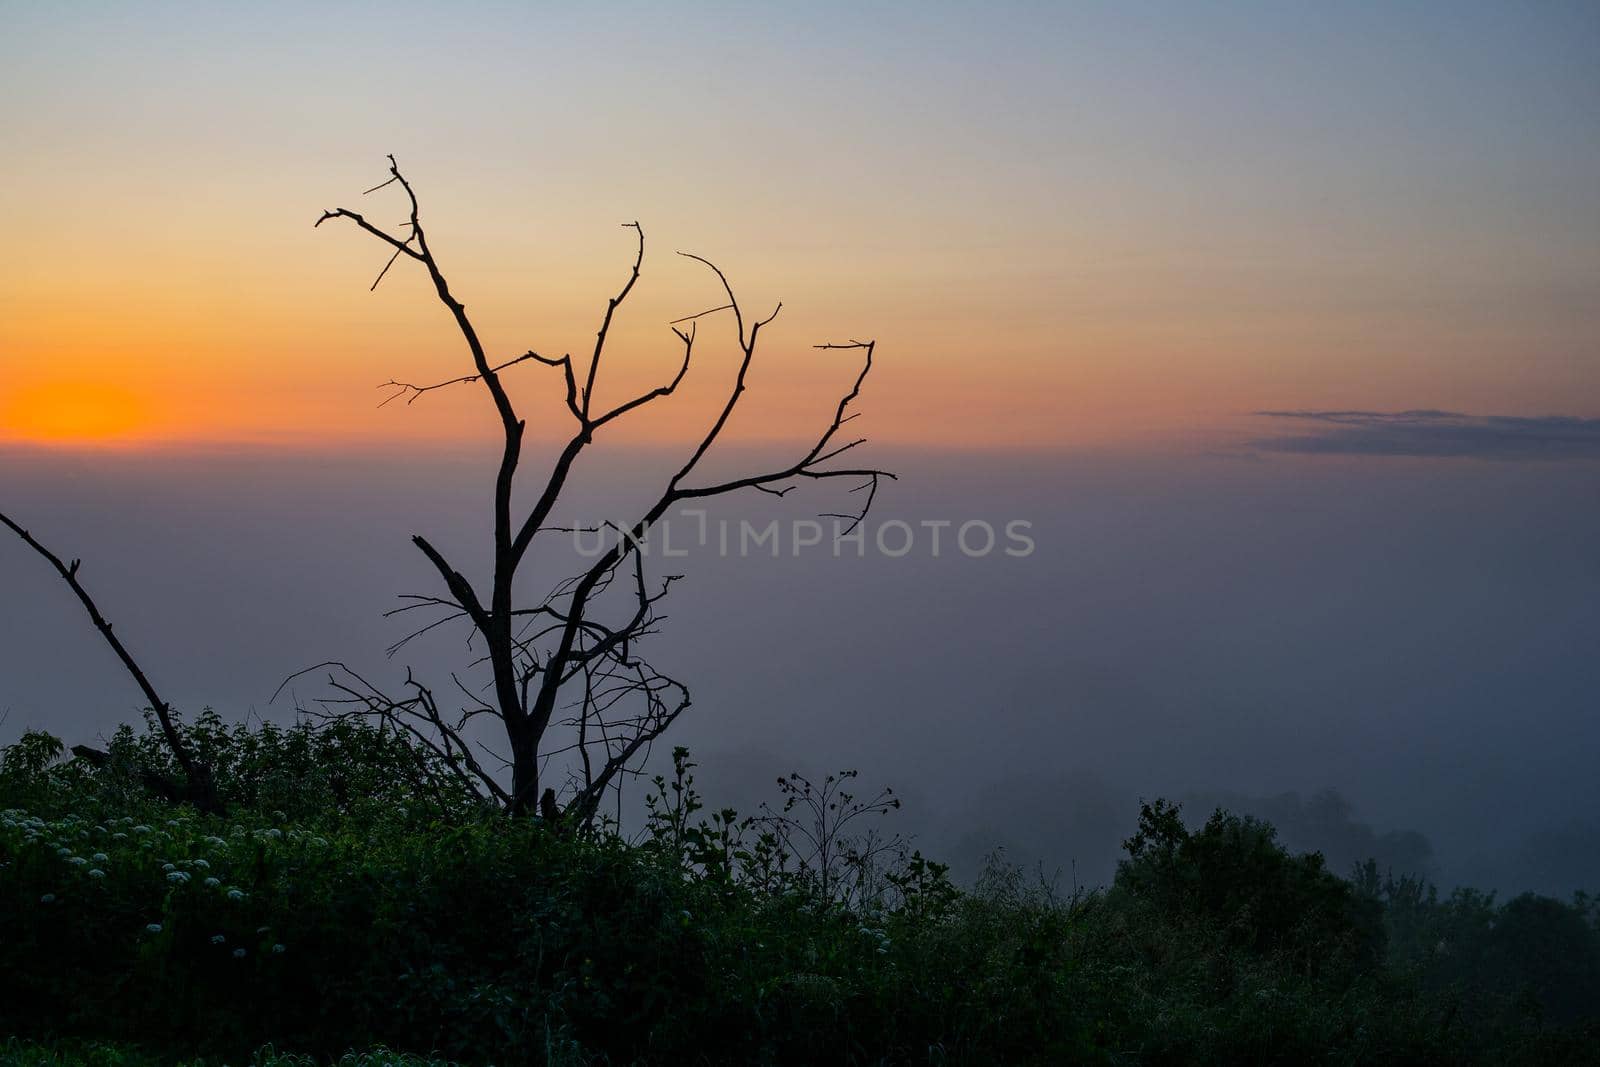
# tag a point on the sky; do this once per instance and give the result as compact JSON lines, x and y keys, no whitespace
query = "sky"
{"x":1066,"y":224}
{"x":1280,"y":323}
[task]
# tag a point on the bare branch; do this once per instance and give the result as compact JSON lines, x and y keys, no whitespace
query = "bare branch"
{"x":414,"y":392}
{"x":701,"y":314}
{"x":197,"y":774}
{"x":660,"y":391}
{"x":605,"y":323}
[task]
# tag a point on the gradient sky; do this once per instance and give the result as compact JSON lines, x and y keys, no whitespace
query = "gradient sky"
{"x":1066,"y":224}
{"x":1091,"y":241}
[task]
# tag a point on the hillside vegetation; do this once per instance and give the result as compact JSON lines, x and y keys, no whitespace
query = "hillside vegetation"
{"x":339,"y":905}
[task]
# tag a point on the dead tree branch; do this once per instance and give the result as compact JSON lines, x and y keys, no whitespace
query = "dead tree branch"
{"x":198,"y":785}
{"x":539,"y":656}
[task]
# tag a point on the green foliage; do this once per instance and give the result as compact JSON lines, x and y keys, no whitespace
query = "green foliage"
{"x":26,"y":766}
{"x":812,"y":848}
{"x":1532,"y":957}
{"x":341,"y":772}
{"x":1233,"y":877}
{"x":333,"y":908}
{"x":96,"y":1054}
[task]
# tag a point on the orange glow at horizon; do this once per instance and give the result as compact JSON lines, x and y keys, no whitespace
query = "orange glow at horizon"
{"x":1063,"y":255}
{"x":74,"y":412}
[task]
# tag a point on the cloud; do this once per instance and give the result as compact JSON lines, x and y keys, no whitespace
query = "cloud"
{"x":1437,"y":433}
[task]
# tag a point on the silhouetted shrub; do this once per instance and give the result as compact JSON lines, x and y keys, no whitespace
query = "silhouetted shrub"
{"x":1232,"y":875}
{"x":319,"y":920}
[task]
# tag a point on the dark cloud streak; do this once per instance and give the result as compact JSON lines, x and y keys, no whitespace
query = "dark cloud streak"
{"x":1439,"y":434}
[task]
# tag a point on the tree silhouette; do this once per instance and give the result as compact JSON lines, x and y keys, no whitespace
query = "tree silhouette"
{"x":562,"y":655}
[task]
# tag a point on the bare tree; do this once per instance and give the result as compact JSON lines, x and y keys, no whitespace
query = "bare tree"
{"x":559,"y":662}
{"x":197,"y":787}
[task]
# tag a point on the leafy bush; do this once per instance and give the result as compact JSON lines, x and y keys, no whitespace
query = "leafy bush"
{"x":96,"y":1054}
{"x":332,"y":909}
{"x":1232,"y":875}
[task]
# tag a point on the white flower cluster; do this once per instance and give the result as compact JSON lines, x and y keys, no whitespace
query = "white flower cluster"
{"x":874,"y":934}
{"x":140,"y":850}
